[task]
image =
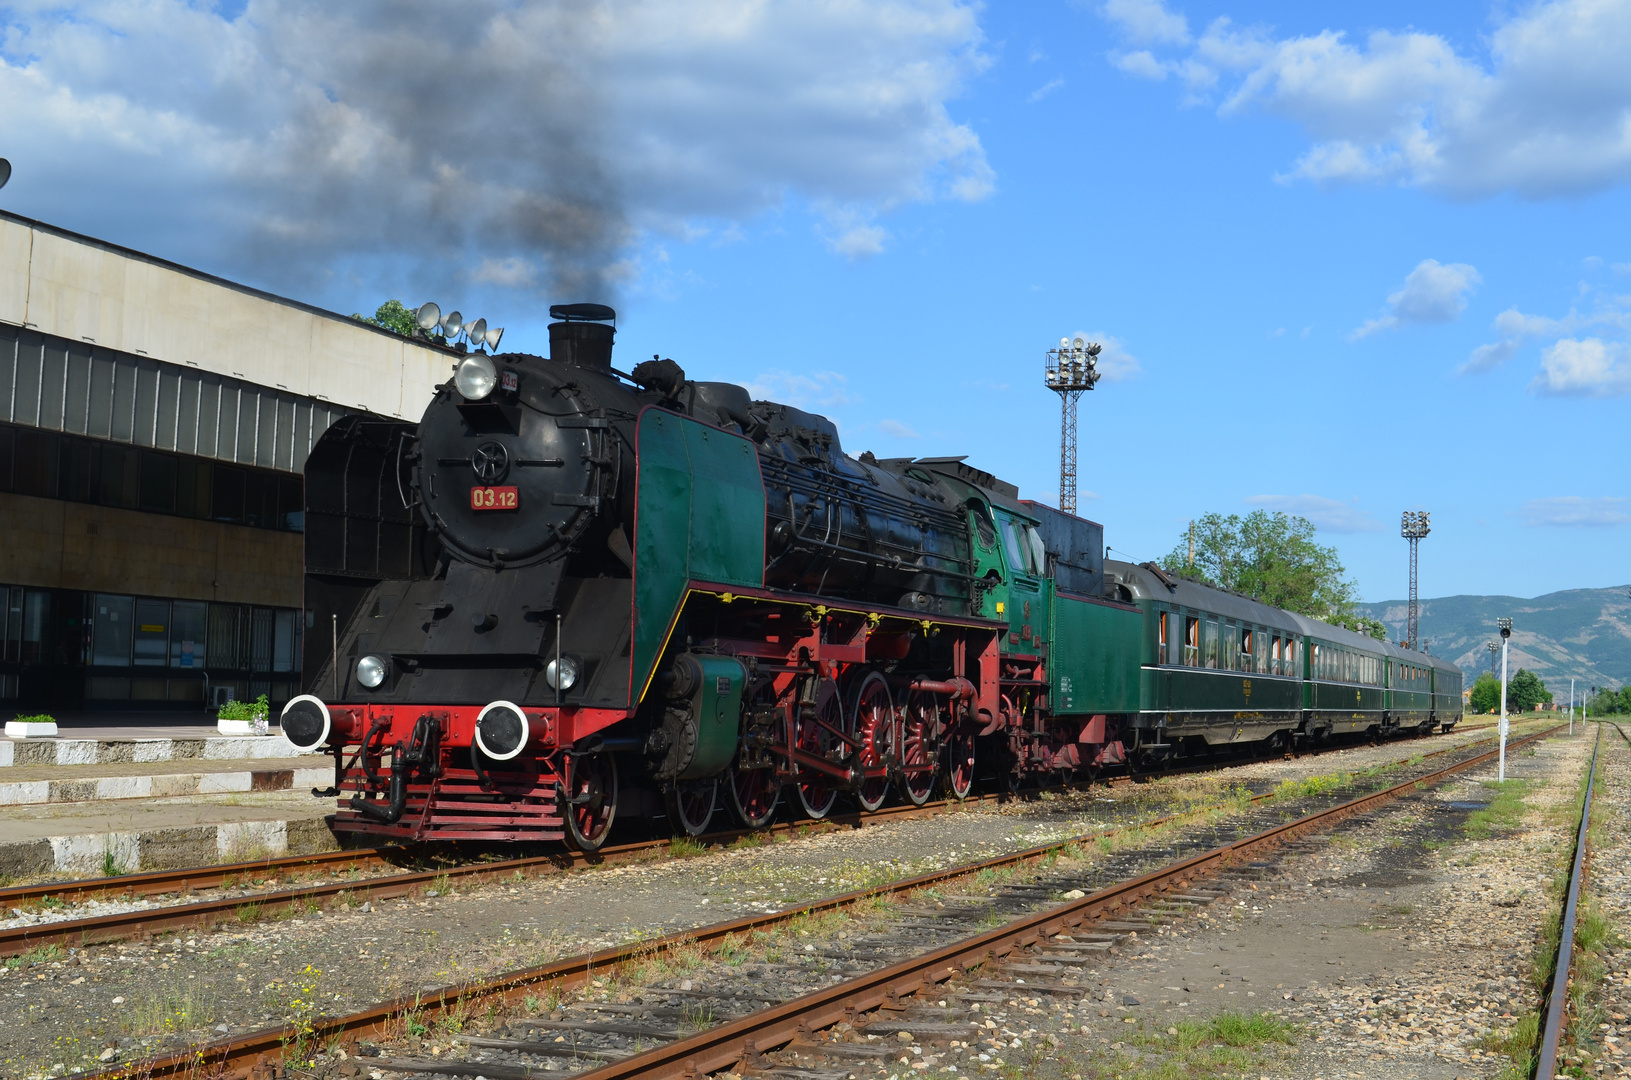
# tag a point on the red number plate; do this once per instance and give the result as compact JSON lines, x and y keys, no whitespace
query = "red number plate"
{"x":494,"y":498}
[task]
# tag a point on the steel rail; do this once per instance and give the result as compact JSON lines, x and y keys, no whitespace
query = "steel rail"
{"x":104,"y":929}
{"x":741,"y":1040}
{"x":193,"y":879}
{"x":1557,"y":1002}
{"x":255,"y":1051}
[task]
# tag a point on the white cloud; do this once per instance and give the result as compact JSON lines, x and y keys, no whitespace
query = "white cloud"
{"x":1584,"y":368}
{"x":804,"y":390}
{"x":330,"y":140}
{"x":1575,"y":511}
{"x":1541,"y":108}
{"x":855,"y":240}
{"x":1328,"y":514}
{"x":1147,"y":21}
{"x":1141,"y":63}
{"x":1044,"y":90}
{"x":1432,"y":293}
{"x":896,"y":429}
{"x":1115,"y":363}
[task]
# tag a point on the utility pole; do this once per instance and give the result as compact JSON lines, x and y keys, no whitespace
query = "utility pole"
{"x":1506,"y":633}
{"x":1070,"y":371}
{"x":1413,"y":526}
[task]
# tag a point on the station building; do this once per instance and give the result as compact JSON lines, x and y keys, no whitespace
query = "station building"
{"x":154,"y":422}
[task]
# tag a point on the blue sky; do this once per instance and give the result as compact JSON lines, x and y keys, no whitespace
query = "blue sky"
{"x":1346,"y":260}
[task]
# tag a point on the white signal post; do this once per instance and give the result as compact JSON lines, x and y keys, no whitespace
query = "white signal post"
{"x":1571,"y":706}
{"x":1506,"y":633}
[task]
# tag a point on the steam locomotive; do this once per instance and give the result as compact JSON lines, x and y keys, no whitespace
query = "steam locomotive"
{"x":570,"y":592}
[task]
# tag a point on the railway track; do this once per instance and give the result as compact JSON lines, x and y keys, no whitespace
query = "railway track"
{"x":794,"y":1010}
{"x":1556,"y":1013}
{"x":189,"y":880}
{"x":208,"y":912}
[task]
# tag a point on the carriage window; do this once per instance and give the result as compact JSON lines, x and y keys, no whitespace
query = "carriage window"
{"x":1274,"y":656}
{"x":1211,"y":643}
{"x":1192,"y":641}
{"x":1245,"y":648}
{"x":1290,"y":658}
{"x":1161,"y":641}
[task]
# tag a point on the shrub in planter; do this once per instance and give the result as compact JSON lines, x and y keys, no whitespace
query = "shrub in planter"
{"x":31,"y":727}
{"x":244,"y":717}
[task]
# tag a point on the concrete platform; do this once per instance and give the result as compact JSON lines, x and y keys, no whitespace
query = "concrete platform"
{"x":87,"y":839}
{"x":23,"y":785}
{"x":96,"y":746}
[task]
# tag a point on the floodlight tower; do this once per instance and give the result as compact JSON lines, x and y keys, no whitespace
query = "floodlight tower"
{"x":1413,"y":527}
{"x":1070,"y":370}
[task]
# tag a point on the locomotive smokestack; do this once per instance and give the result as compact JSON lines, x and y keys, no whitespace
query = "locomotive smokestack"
{"x":582,"y":336}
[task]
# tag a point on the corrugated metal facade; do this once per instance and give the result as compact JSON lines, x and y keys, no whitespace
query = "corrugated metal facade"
{"x":84,"y":389}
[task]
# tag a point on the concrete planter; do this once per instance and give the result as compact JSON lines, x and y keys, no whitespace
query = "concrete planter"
{"x":242,"y":727}
{"x":18,"y":730}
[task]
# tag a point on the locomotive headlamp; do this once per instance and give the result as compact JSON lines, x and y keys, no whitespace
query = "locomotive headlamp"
{"x":371,"y":671}
{"x":476,"y":377}
{"x":562,"y":673}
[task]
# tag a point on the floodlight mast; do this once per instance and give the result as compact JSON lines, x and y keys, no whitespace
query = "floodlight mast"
{"x":1070,"y":371}
{"x":1413,"y":526}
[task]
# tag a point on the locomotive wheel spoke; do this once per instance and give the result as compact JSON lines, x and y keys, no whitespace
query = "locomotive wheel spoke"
{"x":920,"y":746}
{"x":815,"y":736}
{"x":753,"y":795}
{"x":591,"y":801}
{"x":960,"y":764}
{"x":691,"y":804}
{"x":875,"y":725}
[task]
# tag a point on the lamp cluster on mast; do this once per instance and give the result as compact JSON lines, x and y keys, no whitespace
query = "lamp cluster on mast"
{"x":1070,"y":371}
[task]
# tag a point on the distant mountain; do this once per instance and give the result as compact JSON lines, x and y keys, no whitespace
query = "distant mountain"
{"x":1580,"y":633}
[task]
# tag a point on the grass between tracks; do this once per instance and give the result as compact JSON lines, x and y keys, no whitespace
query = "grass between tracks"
{"x":1226,"y":1045}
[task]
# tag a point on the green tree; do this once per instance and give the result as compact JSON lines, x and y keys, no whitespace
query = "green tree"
{"x":1486,"y":694}
{"x":1525,"y":690}
{"x":1273,"y":558}
{"x":393,"y":316}
{"x":1609,"y":702}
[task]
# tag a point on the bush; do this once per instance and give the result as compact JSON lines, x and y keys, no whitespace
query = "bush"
{"x":1486,"y":694}
{"x":39,"y":718}
{"x":259,"y":709}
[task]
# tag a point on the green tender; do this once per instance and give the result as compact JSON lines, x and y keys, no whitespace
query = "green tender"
{"x":699,"y":516}
{"x":1095,"y":657}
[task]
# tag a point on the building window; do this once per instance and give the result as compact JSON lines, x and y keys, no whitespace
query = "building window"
{"x":111,"y":631}
{"x":283,"y":642}
{"x":36,"y":617}
{"x":11,"y":642}
{"x":189,"y":621}
{"x":152,"y":637}
{"x":49,"y":465}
